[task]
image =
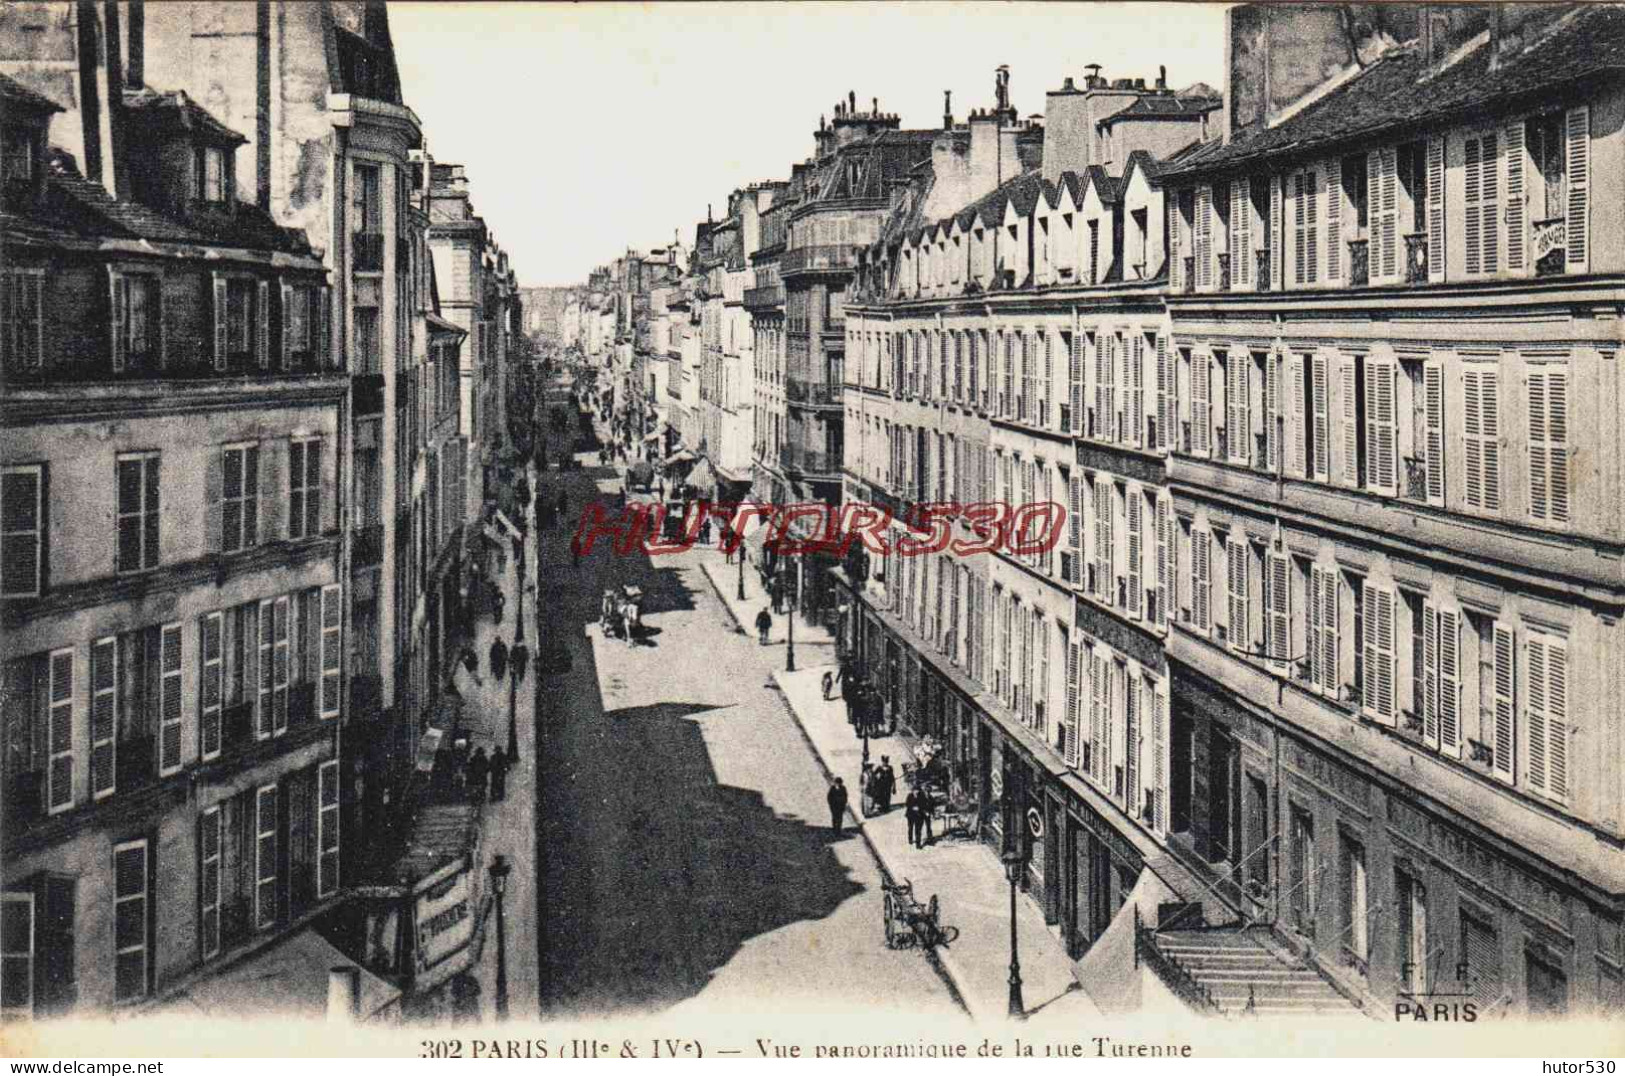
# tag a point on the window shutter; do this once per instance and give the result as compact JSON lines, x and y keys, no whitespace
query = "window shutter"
{"x":1433,"y":393}
{"x":1159,"y":760}
{"x":1272,"y":411}
{"x":1334,"y":218}
{"x":169,"y":729}
{"x":1131,"y":746}
{"x":1277,"y":240}
{"x":22,"y":525}
{"x":1200,"y":423}
{"x":1277,"y":599}
{"x":1378,"y":689}
{"x":1316,"y":676}
{"x":1481,"y":432}
{"x":1517,"y":212}
{"x":1070,"y":736}
{"x":1176,"y":249}
{"x":1382,"y":427}
{"x":1430,"y":675}
{"x":1165,"y":397}
{"x":1241,"y":220}
{"x":327,"y":828}
{"x":1435,"y":209}
{"x":1136,"y":389}
{"x":1204,"y":238}
{"x":332,"y":600}
{"x":1136,"y":511}
{"x":1311,"y":227}
{"x":103,"y":716}
{"x":221,"y":352}
{"x":1300,"y":459}
{"x":262,"y":324}
{"x":1504,"y":730}
{"x":1548,"y":443}
{"x":1164,"y":569}
{"x":1200,"y":553}
{"x":1330,"y":681}
{"x":211,"y":692}
{"x":265,"y":857}
{"x":118,"y":301}
{"x":59,"y":766}
{"x":287,"y":325}
{"x":267,"y":669}
{"x":1349,"y":464}
{"x":1449,"y":682}
{"x":1235,"y":560}
{"x":1323,"y":435}
{"x":209,"y":841}
{"x":1386,"y":264}
{"x":1074,"y":529}
{"x":214,"y":486}
{"x":1577,"y":225}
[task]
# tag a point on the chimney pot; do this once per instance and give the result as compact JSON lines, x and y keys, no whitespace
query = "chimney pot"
{"x":1068,"y":84}
{"x":1162,"y":77}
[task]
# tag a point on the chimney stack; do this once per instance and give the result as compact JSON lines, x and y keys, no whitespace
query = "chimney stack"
{"x":947,"y":110}
{"x":1162,"y":76}
{"x":851,"y":102}
{"x":875,"y":105}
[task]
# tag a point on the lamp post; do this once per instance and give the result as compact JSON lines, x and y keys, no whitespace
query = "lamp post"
{"x":740,"y":553}
{"x":499,"y":882}
{"x":1014,"y":863}
{"x":790,"y":629}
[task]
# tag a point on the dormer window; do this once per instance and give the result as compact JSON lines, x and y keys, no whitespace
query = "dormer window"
{"x":213,"y":175}
{"x":18,"y":159}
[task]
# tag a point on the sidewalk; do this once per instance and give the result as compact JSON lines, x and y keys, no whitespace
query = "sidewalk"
{"x":509,"y":827}
{"x":724,"y":579}
{"x":966,"y":876}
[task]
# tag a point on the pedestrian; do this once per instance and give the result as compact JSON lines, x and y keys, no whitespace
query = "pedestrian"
{"x":887,"y":777}
{"x":778,"y":595}
{"x":911,"y":812}
{"x":499,"y":775}
{"x":926,"y":807}
{"x":479,"y":768}
{"x":520,"y":657}
{"x":837,"y":805}
{"x":499,"y":658}
{"x":498,"y":602}
{"x":725,"y":539}
{"x":827,"y":683}
{"x":472,"y":664}
{"x":764,"y":622}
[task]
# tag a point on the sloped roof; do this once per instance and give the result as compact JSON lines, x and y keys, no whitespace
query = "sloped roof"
{"x":1397,"y":92}
{"x":15,"y":94}
{"x":1163,"y":106}
{"x":179,"y":109}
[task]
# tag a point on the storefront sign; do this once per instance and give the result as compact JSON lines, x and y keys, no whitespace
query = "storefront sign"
{"x":1035,"y":823}
{"x":445,"y":918}
{"x":996,"y":778}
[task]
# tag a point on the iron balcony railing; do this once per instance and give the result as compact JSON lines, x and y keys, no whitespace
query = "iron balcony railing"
{"x":812,"y":393}
{"x":809,"y":461}
{"x":818,"y":259}
{"x":766,"y":297}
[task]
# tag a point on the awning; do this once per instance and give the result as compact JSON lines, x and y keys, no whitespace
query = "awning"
{"x":289,"y":980}
{"x":703,"y":480}
{"x":683,"y":456}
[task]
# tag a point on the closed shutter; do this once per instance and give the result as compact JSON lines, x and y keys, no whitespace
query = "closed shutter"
{"x":1204,"y":237}
{"x":1349,"y":464}
{"x":118,"y":290}
{"x":1449,"y":682}
{"x":1481,"y":434}
{"x":22,"y":522}
{"x":1164,"y":569}
{"x":1517,"y":212}
{"x":1433,"y":405}
{"x":1200,"y":591}
{"x":1483,"y":215}
{"x":1323,"y":434}
{"x":1548,"y":442}
{"x":1136,"y":512}
{"x":262,"y":323}
{"x":1069,"y":735}
{"x":1546,"y":676}
{"x":1334,"y":219}
{"x":1159,"y":758}
{"x":1277,"y":238}
{"x":169,"y":726}
{"x":1577,"y":223}
{"x":1176,"y":249}
{"x":1504,"y":731}
{"x":1481,"y":952}
{"x":286,"y":297}
{"x":1241,"y":225}
{"x":1277,"y":591}
{"x":1165,"y":397}
{"x":1323,"y":586}
{"x":1384,"y":198}
{"x":1435,"y":209}
{"x":1382,"y":427}
{"x":1200,"y":386}
{"x":265,"y":857}
{"x":103,"y":717}
{"x":1311,"y":227}
{"x":1235,"y":559}
{"x":130,"y":919}
{"x":211,"y":690}
{"x":59,"y":765}
{"x":1074,"y":531}
{"x":327,"y":828}
{"x":1300,"y":421}
{"x":211,"y":830}
{"x":1377,"y":693}
{"x":332,"y":600}
{"x":1099,"y":717}
{"x":1131,"y":746}
{"x":1272,"y":412}
{"x":1136,"y":391}
{"x":1300,"y":215}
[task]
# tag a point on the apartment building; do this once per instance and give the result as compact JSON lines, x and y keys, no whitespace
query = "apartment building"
{"x":171,"y":582}
{"x":1396,"y":498}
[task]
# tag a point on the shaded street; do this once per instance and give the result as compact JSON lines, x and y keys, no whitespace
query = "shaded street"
{"x":683,"y":830}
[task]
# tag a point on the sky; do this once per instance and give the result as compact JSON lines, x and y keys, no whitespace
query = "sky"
{"x":590,"y":128}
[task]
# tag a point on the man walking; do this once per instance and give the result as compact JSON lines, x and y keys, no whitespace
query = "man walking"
{"x":837,"y":806}
{"x":499,"y":658}
{"x":911,"y":812}
{"x":520,"y":656}
{"x":764,"y":622}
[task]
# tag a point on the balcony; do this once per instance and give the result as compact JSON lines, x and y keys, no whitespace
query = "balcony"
{"x":367,"y":546}
{"x":1262,"y":268}
{"x":1416,"y":258}
{"x":1359,"y":262}
{"x":1416,"y":480}
{"x":367,"y":252}
{"x":766,"y":297}
{"x":812,"y":393}
{"x":819,"y":259}
{"x":1551,"y":246}
{"x":1224,"y":272}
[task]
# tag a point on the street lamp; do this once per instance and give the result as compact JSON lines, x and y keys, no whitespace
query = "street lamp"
{"x":790,"y":629}
{"x":499,"y":882}
{"x":740,"y":552}
{"x":1014,"y":863}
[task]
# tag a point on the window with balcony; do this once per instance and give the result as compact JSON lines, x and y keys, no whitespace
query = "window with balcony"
{"x":137,"y":507}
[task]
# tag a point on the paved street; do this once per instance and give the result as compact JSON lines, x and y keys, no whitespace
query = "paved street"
{"x":688,"y":858}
